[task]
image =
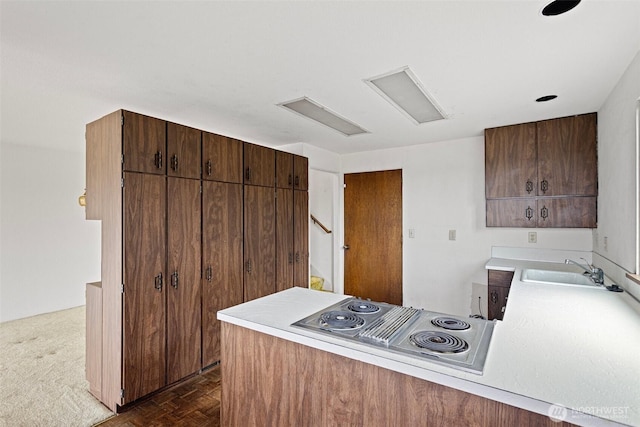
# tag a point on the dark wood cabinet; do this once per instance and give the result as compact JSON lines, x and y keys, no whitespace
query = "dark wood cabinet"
{"x":301,"y":238}
{"x":144,"y":141}
{"x":183,"y":151}
{"x":499,"y":283}
{"x":259,"y":241}
{"x":222,"y":252}
{"x":300,"y":173}
{"x":183,"y":278}
{"x":285,"y":256}
{"x":259,"y":165}
{"x":144,"y":283}
{"x":221,"y":158}
{"x":284,"y":170}
{"x":542,"y":174}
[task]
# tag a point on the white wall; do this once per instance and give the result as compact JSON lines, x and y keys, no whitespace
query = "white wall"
{"x":443,"y":189}
{"x":322,"y":197}
{"x":48,"y":251}
{"x":617,"y":177}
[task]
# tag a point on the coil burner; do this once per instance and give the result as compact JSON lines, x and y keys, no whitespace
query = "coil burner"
{"x":364,"y":307}
{"x":440,"y":342}
{"x":451,"y":323}
{"x":341,"y":320}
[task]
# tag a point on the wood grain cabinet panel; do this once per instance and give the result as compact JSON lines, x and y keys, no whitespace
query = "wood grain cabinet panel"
{"x":284,"y":170}
{"x":259,"y":165}
{"x":183,"y":151}
{"x":567,"y":212}
{"x":301,"y":238}
{"x":259,"y":246}
{"x":221,"y":158}
{"x":300,"y":173}
{"x":144,"y":142}
{"x":183,"y":282}
{"x":499,"y":283}
{"x":144,"y":298}
{"x":222,"y":273}
{"x":284,"y":239}
{"x":512,"y":213}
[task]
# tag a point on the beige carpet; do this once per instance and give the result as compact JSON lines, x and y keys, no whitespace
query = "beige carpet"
{"x":42,"y":379}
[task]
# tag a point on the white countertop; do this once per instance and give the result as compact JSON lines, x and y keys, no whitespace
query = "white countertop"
{"x":575,"y":347}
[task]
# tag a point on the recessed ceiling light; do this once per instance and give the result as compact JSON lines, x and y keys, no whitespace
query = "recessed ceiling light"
{"x":314,"y":111}
{"x":403,"y":90}
{"x":546,"y":98}
{"x":559,"y":7}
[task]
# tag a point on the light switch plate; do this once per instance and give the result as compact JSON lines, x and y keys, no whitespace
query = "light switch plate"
{"x":533,"y":237}
{"x":452,"y":234}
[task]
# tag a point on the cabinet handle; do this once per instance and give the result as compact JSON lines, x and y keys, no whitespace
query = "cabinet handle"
{"x":247,"y":174}
{"x":248,"y":266}
{"x":157,"y":282}
{"x":290,"y":258}
{"x":174,"y":162}
{"x":504,"y":307}
{"x":544,"y":186}
{"x":529,"y":186}
{"x":528,"y":213}
{"x":209,"y":273}
{"x":174,"y":280}
{"x":209,"y":166}
{"x":297,"y":181}
{"x":290,"y":179}
{"x":494,"y":297}
{"x":158,"y":160}
{"x":297,"y":257}
{"x":544,"y":212}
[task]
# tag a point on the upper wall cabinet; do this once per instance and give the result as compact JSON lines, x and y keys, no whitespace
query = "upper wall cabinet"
{"x":542,"y":174}
{"x":144,"y":143}
{"x":259,"y":165}
{"x":284,"y":170}
{"x":183,"y":150}
{"x":221,"y":158}
{"x":300,"y":173}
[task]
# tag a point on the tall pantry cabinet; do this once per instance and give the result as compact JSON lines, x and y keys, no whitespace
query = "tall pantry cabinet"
{"x":179,"y":228}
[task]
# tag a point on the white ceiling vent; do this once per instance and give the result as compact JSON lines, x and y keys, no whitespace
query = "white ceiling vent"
{"x":402,"y":89}
{"x":314,"y":111}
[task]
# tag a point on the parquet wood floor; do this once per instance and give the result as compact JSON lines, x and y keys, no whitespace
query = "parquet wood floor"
{"x":196,"y":402}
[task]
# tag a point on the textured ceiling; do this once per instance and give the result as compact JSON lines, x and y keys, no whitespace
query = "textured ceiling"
{"x":224,"y":66}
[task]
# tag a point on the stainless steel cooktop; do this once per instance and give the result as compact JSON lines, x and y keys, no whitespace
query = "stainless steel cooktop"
{"x":454,"y":341}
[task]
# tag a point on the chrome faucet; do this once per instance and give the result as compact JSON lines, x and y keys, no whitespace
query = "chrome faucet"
{"x":596,"y":274}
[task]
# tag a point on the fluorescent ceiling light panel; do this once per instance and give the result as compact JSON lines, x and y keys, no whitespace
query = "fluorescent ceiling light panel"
{"x":314,"y":111}
{"x":403,"y":90}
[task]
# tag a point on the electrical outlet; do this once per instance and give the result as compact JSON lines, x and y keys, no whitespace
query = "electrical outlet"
{"x":533,"y":237}
{"x":412,"y":233}
{"x":606,"y":243}
{"x":452,"y":234}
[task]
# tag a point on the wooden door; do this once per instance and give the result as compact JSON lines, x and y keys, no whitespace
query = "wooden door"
{"x":510,"y":161}
{"x":301,"y":238}
{"x":300,"y":173}
{"x":222,"y":272}
{"x":567,"y":156}
{"x":373,"y":235}
{"x":259,"y":165}
{"x":284,"y":238}
{"x":144,"y":143}
{"x":516,"y":212}
{"x":221,"y":158}
{"x":259,"y":241}
{"x":143,"y":335}
{"x":567,"y":212}
{"x":183,"y":283}
{"x":284,"y":169}
{"x":183,"y":151}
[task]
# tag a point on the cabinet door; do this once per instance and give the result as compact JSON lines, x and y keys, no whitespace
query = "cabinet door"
{"x":301,"y":238}
{"x":497,"y":302}
{"x":510,"y":161}
{"x":222,"y":273}
{"x":567,"y":212}
{"x":259,"y":165}
{"x":300,"y":173}
{"x":567,"y":156}
{"x":515,"y":212}
{"x":144,"y":143}
{"x":259,"y":242}
{"x":284,"y":239}
{"x":183,"y":283}
{"x":183,"y":151}
{"x":284,"y":170}
{"x":221,"y":158}
{"x":143,"y":335}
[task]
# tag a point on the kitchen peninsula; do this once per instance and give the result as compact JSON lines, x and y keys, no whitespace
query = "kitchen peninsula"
{"x":552,"y":355}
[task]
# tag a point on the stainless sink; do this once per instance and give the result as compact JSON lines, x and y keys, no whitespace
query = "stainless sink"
{"x":557,"y":278}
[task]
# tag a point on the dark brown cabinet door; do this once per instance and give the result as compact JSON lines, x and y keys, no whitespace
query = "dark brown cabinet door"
{"x":183,"y":281}
{"x":499,"y":284}
{"x":567,"y":156}
{"x":510,"y":161}
{"x":301,"y":238}
{"x":284,"y":239}
{"x":512,"y":213}
{"x":183,"y":151}
{"x":144,"y":143}
{"x":221,"y":158}
{"x":259,"y":165}
{"x":145,"y":285}
{"x":567,"y":212}
{"x":222,"y":273}
{"x":284,"y":170}
{"x":260,"y":243}
{"x":300,"y":173}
